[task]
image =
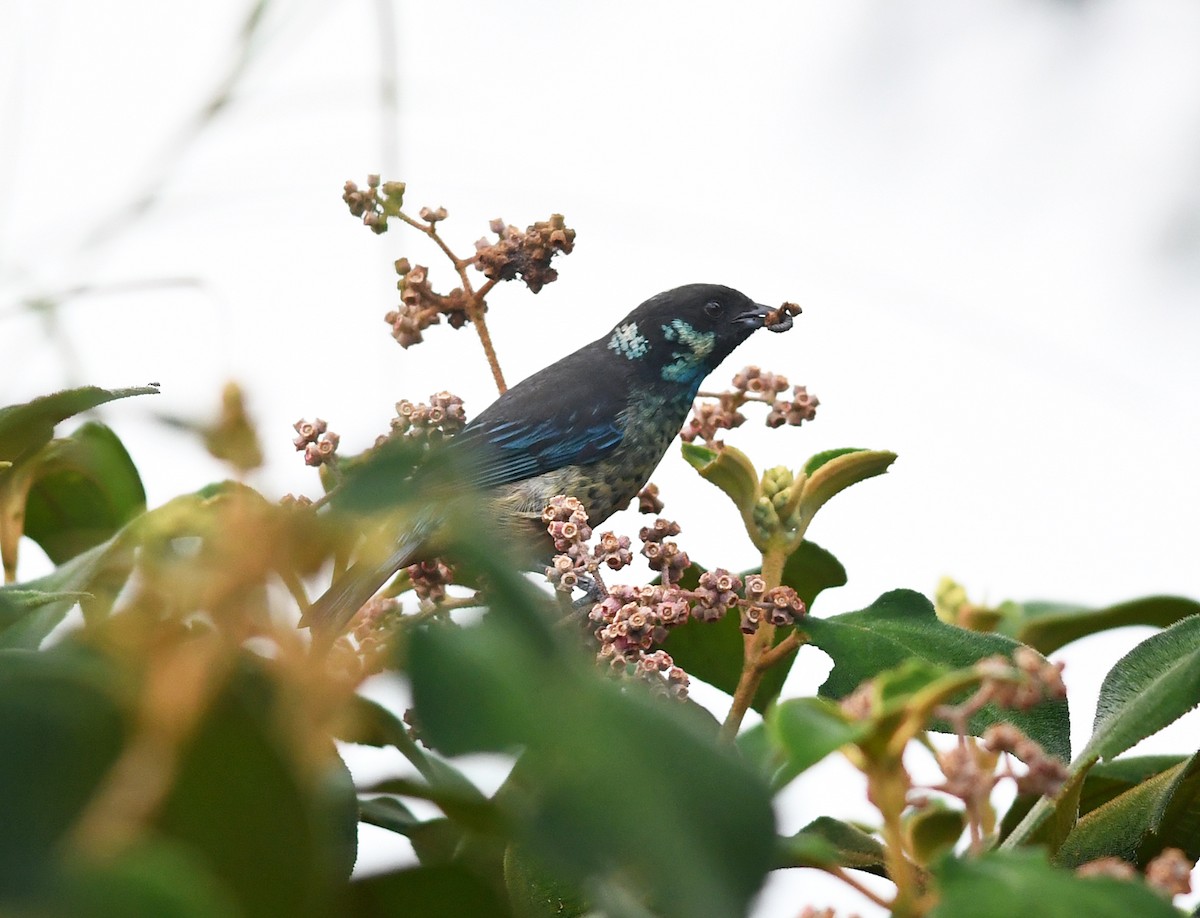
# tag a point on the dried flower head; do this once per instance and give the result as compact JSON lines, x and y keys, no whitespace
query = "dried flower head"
{"x":524,"y":254}
{"x":430,"y":578}
{"x":648,"y":499}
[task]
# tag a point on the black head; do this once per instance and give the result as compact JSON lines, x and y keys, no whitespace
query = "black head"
{"x":681,"y":335}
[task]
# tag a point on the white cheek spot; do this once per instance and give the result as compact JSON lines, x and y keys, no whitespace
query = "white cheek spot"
{"x":627,"y":341}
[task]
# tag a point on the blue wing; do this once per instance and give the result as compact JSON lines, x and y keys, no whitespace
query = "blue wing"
{"x":512,"y":450}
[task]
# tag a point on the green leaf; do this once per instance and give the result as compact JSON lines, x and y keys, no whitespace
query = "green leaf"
{"x":31,"y":610}
{"x":84,"y":488}
{"x":828,"y":842}
{"x":729,"y":469}
{"x":25,"y":428}
{"x":712,"y":651}
{"x":1162,"y":811}
{"x":387,"y":813}
{"x":153,"y":879}
{"x":901,"y":625}
{"x":1048,"y":626}
{"x":1150,"y":687}
{"x":816,"y":461}
{"x":445,"y":891}
{"x":934,"y":830}
{"x":62,"y":727}
{"x":837,"y":470}
{"x":1000,"y":883}
{"x":534,"y":893}
{"x":1108,"y":780}
{"x":281,"y":837}
{"x":807,"y":730}
{"x":511,"y":681}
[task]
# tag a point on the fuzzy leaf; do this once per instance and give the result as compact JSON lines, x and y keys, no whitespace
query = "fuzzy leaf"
{"x":83,"y":489}
{"x":837,"y":470}
{"x":1163,"y":811}
{"x":1048,"y":626}
{"x":729,"y":469}
{"x":901,"y":625}
{"x":999,"y":883}
{"x":807,"y":730}
{"x":1150,"y":687}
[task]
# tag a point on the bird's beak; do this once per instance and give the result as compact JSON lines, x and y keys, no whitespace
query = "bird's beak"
{"x":753,"y":318}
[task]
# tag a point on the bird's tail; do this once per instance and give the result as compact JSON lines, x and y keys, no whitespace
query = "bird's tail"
{"x":328,"y":616}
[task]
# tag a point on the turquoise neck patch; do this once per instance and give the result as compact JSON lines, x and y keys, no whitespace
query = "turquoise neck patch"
{"x":689,"y":364}
{"x":628,"y":342}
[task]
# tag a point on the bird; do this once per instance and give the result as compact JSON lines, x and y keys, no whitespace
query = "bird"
{"x":593,"y":426}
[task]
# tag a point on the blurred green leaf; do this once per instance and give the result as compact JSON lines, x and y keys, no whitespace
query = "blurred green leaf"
{"x":712,"y":651}
{"x":827,"y":842}
{"x":388,"y":813}
{"x":901,"y":625}
{"x":31,"y":610}
{"x":1162,"y":811}
{"x":933,"y":830}
{"x":61,"y":729}
{"x":807,"y":730}
{"x":1000,"y":883}
{"x":84,"y":488}
{"x":25,"y":428}
{"x":445,"y":891}
{"x":511,"y":682}
{"x":278,"y":838}
{"x":534,"y":893}
{"x":154,"y":879}
{"x":1107,"y":780}
{"x":1048,"y":626}
{"x":1150,"y":687}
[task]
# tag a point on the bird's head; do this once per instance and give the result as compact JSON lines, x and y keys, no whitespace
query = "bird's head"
{"x":681,"y":335}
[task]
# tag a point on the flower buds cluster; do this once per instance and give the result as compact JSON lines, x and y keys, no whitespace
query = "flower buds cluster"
{"x":374,"y":204}
{"x":567,"y":522}
{"x":318,"y":443}
{"x":630,"y":621}
{"x":772,"y":505}
{"x":648,"y":499}
{"x":524,"y":254}
{"x":802,"y":407}
{"x":779,"y":606}
{"x":1037,"y":679}
{"x":443,"y":417}
{"x":1044,"y":775}
{"x":750,"y":384}
{"x":374,"y":629}
{"x":421,"y":307}
{"x":717,"y":592}
{"x":663,"y":556}
{"x":1170,"y":873}
{"x":429,"y":579}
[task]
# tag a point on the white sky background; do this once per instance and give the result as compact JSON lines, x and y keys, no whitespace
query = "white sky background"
{"x":989,"y":211}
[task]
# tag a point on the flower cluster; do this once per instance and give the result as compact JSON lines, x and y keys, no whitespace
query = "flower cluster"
{"x":443,"y":417}
{"x":525,"y":254}
{"x":721,"y":410}
{"x":429,"y":579}
{"x":662,"y":555}
{"x":422,"y":307}
{"x":375,"y":629}
{"x":1044,"y":775}
{"x":648,"y":499}
{"x":318,"y":443}
{"x":1035,"y":680}
{"x":1170,"y":873}
{"x":779,"y":606}
{"x":567,"y":522}
{"x":375,"y":203}
{"x":630,"y":621}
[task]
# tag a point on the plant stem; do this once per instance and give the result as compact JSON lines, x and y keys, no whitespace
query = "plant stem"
{"x":849,"y":880}
{"x":757,"y":657}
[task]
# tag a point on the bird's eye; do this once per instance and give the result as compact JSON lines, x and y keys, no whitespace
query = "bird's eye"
{"x":713,"y":309}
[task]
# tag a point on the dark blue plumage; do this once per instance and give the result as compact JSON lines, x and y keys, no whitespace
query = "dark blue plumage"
{"x":593,"y":426}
